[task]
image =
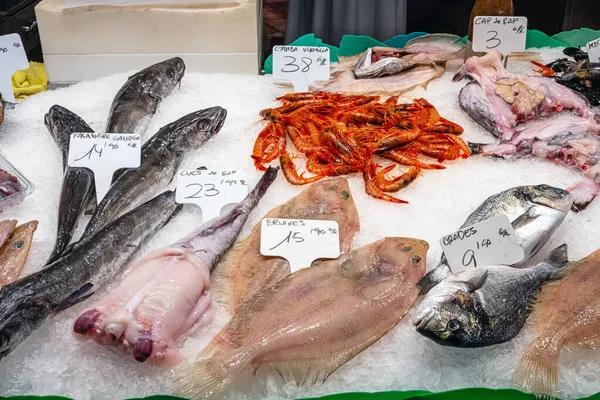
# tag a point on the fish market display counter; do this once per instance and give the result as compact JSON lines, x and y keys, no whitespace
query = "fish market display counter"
{"x":383,"y":242}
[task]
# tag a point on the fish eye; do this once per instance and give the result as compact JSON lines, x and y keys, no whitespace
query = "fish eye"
{"x":55,"y":117}
{"x":170,"y":73}
{"x":453,"y":325}
{"x":415,"y":259}
{"x":203,"y":125}
{"x":19,"y":244}
{"x":544,"y":187}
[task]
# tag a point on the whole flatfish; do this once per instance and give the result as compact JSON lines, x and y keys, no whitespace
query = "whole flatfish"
{"x":14,"y":252}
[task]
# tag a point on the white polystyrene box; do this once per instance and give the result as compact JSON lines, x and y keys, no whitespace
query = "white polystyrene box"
{"x":92,"y":41}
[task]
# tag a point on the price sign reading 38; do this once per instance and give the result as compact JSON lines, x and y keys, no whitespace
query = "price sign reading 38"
{"x":300,"y":241}
{"x":490,"y":242}
{"x":505,"y":34}
{"x":301,"y":65}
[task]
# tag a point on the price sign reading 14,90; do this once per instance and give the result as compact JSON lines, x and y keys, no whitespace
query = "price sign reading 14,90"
{"x":300,"y":65}
{"x":593,"y":50}
{"x":490,"y":242}
{"x":211,"y":189}
{"x":300,"y":241}
{"x":104,"y":153}
{"x":505,"y":34}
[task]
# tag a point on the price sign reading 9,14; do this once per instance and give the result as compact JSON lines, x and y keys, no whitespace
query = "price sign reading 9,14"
{"x":104,"y":153}
{"x":211,"y":189}
{"x":505,"y":34}
{"x":12,"y":59}
{"x":300,"y":241}
{"x":490,"y":242}
{"x":301,"y":65}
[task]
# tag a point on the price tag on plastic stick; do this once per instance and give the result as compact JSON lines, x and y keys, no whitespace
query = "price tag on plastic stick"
{"x":505,"y":34}
{"x":593,"y":50}
{"x":301,"y":65}
{"x":300,"y":241}
{"x":104,"y":153}
{"x":491,"y":242}
{"x":12,"y":59}
{"x":211,"y":189}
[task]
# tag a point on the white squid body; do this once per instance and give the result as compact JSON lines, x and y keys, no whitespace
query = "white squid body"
{"x":159,"y":299}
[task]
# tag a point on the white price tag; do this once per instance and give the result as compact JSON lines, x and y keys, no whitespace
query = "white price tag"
{"x":301,"y":65}
{"x":505,"y":34}
{"x":104,"y":153}
{"x":300,"y":241}
{"x":211,"y":189}
{"x":491,"y":242}
{"x":12,"y":59}
{"x":593,"y":50}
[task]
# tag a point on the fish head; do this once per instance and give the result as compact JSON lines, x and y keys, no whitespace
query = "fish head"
{"x":61,"y":122}
{"x":17,"y":245}
{"x":549,"y":196}
{"x":449,"y":317}
{"x":160,"y":79}
{"x":195,"y":129}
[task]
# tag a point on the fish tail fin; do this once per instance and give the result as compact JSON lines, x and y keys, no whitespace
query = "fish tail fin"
{"x":206,"y":377}
{"x":221,"y":344}
{"x":537,"y":371}
{"x":557,"y":259}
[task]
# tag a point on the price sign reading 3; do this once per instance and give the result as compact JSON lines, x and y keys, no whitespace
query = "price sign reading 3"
{"x":211,"y":189}
{"x":505,"y":34}
{"x":490,"y":242}
{"x":300,"y":241}
{"x":12,"y":59}
{"x":104,"y":153}
{"x":300,"y":65}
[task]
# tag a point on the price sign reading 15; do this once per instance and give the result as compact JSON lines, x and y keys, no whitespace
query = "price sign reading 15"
{"x":505,"y":34}
{"x":301,"y":65}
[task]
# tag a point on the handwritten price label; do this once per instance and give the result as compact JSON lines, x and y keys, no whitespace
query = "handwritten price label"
{"x":301,"y":65}
{"x":104,"y":153}
{"x":300,"y":241}
{"x":211,"y":189}
{"x":593,"y":50}
{"x":12,"y":58}
{"x":505,"y":34}
{"x":490,"y":242}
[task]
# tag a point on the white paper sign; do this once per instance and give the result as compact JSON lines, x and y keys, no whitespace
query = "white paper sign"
{"x":593,"y":50}
{"x":490,"y":242}
{"x":300,"y":241}
{"x":104,"y":153}
{"x":211,"y":189}
{"x":12,"y":59}
{"x":505,"y":34}
{"x":301,"y":65}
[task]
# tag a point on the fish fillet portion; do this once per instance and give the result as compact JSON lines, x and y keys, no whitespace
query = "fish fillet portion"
{"x":566,"y":315}
{"x":244,"y":270}
{"x":340,"y":307}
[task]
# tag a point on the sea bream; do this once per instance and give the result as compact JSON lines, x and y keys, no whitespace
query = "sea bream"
{"x":484,"y":306}
{"x":78,"y":190}
{"x":535,"y":213}
{"x":14,"y":252}
{"x":27,"y":303}
{"x":244,"y":270}
{"x":160,"y":159}
{"x":166,"y":293}
{"x":138,"y":99}
{"x":310,"y":323}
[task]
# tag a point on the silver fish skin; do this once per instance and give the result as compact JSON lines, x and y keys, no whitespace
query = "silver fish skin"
{"x":138,"y":99}
{"x":485,"y":305}
{"x":387,"y":66}
{"x":78,"y":188}
{"x":211,"y":240}
{"x":27,"y":303}
{"x":161,"y":157}
{"x":535,"y":213}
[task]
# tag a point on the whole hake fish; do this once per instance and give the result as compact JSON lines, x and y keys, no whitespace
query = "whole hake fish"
{"x":160,"y":159}
{"x":78,"y":190}
{"x":313,"y":321}
{"x":165,"y":294}
{"x":26,"y":303}
{"x":14,"y":252}
{"x":485,"y":305}
{"x":566,"y":315}
{"x":138,"y":99}
{"x":244,"y":270}
{"x":535,"y":213}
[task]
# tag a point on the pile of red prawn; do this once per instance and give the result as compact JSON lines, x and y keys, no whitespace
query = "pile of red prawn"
{"x":342,"y":134}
